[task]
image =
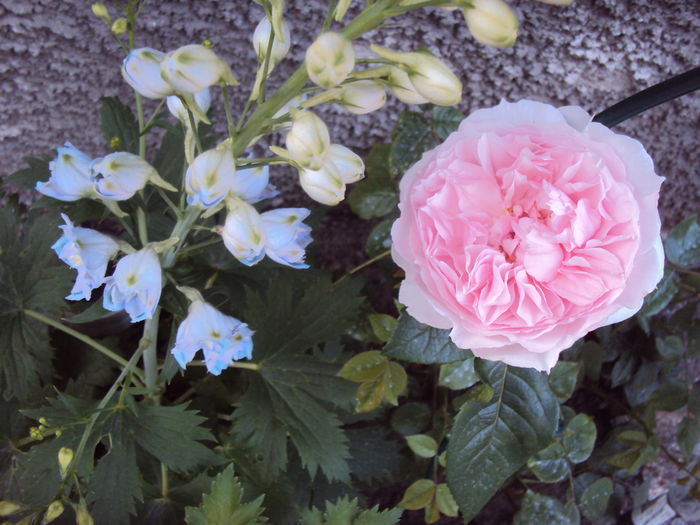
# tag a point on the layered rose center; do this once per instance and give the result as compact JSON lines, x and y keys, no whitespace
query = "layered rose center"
{"x":524,"y":228}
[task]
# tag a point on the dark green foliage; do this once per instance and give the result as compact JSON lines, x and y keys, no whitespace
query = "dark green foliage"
{"x":683,"y":244}
{"x":412,"y":136}
{"x":418,"y":343}
{"x":348,"y":512}
{"x":537,"y":508}
{"x":118,"y":122}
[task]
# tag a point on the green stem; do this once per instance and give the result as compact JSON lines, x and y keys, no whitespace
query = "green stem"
{"x":194,"y":247}
{"x":165,"y":482}
{"x":235,"y":364}
{"x":98,"y":411}
{"x":153,"y":116}
{"x":181,"y":229}
{"x":81,"y":337}
{"x":141,"y":221}
{"x":150,"y":358}
{"x":428,"y":3}
{"x":227,"y":108}
{"x":329,"y":15}
{"x":195,"y":132}
{"x":363,"y":265}
{"x":142,"y":135}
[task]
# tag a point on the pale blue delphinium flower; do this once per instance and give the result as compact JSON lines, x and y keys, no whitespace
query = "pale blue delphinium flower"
{"x":135,"y":285}
{"x":286,"y":236}
{"x":253,"y":184}
{"x":70,"y":175}
{"x":118,"y":176}
{"x":222,"y":339}
{"x":209,"y":178}
{"x":141,"y":70}
{"x":242,"y":232}
{"x":87,"y":251}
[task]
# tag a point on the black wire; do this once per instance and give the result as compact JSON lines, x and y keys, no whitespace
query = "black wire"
{"x":657,"y":94}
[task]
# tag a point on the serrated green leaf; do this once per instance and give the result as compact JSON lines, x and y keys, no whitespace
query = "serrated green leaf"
{"x":550,"y":464}
{"x":458,"y":375}
{"x":365,"y":366}
{"x":645,"y":380}
{"x":412,"y":137}
{"x":372,"y":198}
{"x":37,"y":170}
{"x":495,"y":439}
{"x":624,"y":368}
{"x":411,"y":418}
{"x":379,"y":239}
{"x":446,"y":120}
{"x":116,"y":483}
{"x":422,"y":445}
{"x":563,"y":379}
{"x":374,"y":455}
{"x":683,"y":243}
{"x":223,"y":505}
{"x":537,"y":508}
{"x":688,"y":436}
{"x":579,"y":438}
{"x":418,"y":495}
{"x":33,"y":278}
{"x":445,"y":501}
{"x":594,"y":500}
{"x":418,"y":343}
{"x":173,"y":434}
{"x":383,"y":326}
{"x":117,"y":121}
{"x":348,"y":512}
{"x":395,"y":381}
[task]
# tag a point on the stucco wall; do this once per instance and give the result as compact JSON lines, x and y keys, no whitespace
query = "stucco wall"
{"x":58,"y":60}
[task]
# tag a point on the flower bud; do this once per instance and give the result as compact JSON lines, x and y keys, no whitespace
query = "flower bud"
{"x":118,"y":176}
{"x":100,"y":11}
{"x":7,"y":508}
{"x":492,"y":22}
{"x":346,"y":164}
{"x":70,"y":175}
{"x":430,"y":77}
{"x":308,"y":140}
{"x":329,"y":60}
{"x":82,"y":516}
{"x":53,"y":512}
{"x":179,"y":111}
{"x":323,"y":185}
{"x":363,"y":96}
{"x":209,"y":178}
{"x":65,"y":457}
{"x":119,"y":26}
{"x":141,"y":70}
{"x":242,"y":232}
{"x":400,"y":85}
{"x":192,"y":68}
{"x":135,"y":285}
{"x":261,"y":38}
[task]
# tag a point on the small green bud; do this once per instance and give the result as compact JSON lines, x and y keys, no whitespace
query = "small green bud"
{"x":82,"y":516}
{"x":100,"y":11}
{"x":119,"y":26}
{"x":42,"y":420}
{"x":58,"y":432}
{"x":208,"y":43}
{"x":7,"y":508}
{"x":65,"y":457}
{"x":115,"y":143}
{"x":35,"y":433}
{"x":53,"y":512}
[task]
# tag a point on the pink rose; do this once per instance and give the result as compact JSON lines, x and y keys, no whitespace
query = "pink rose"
{"x":527,"y":228}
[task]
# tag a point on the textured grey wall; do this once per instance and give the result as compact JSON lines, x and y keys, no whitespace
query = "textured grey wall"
{"x":58,"y":60}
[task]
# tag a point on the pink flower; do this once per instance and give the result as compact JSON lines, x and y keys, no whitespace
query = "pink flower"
{"x":527,"y":228}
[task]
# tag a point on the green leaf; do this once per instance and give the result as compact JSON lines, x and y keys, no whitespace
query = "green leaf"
{"x":418,"y":343}
{"x":563,"y":379}
{"x":592,"y":355}
{"x":37,"y":170}
{"x":594,"y":500}
{"x":348,"y":512}
{"x":170,"y":157}
{"x":579,"y":438}
{"x":683,"y":243}
{"x":377,"y":161}
{"x":412,"y":137}
{"x":383,"y":326}
{"x":446,"y":120}
{"x":370,"y":395}
{"x":458,"y":375}
{"x":31,"y":277}
{"x":550,"y":464}
{"x":669,"y":396}
{"x":395,"y":381}
{"x":659,"y":299}
{"x":688,"y":436}
{"x":495,"y":439}
{"x":173,"y":434}
{"x":411,"y":418}
{"x":373,"y":198}
{"x":418,"y":495}
{"x":624,"y":368}
{"x":379,"y":239}
{"x":374,"y":455}
{"x":116,"y":482}
{"x":670,"y":348}
{"x":422,"y":445}
{"x":223,"y":505}
{"x":364,"y":367}
{"x":445,"y":501}
{"x":118,"y":122}
{"x":537,"y":508}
